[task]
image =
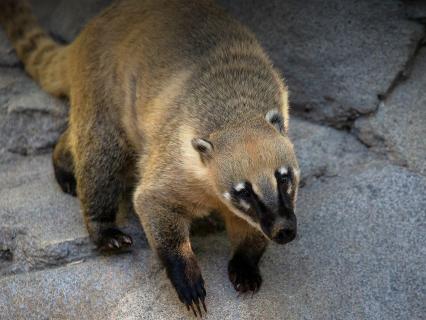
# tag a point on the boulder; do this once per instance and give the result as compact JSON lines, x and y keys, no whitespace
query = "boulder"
{"x":398,"y":128}
{"x":30,"y":119}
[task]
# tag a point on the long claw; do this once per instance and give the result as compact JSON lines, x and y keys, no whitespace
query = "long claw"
{"x":115,"y":243}
{"x":197,"y":304}
{"x":204,"y":305}
{"x":193,"y":310}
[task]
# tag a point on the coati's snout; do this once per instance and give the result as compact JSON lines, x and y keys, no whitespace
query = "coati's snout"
{"x":256,"y":174}
{"x":270,"y":210}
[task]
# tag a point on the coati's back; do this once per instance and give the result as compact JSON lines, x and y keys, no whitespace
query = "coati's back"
{"x":136,"y":50}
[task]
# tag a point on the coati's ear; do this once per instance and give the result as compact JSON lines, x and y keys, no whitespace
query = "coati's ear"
{"x":275,"y":118}
{"x":204,"y":148}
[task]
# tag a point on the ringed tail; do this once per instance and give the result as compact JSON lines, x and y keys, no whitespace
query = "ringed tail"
{"x":44,"y":59}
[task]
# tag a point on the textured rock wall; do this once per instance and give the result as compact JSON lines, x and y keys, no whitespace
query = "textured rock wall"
{"x":356,"y":71}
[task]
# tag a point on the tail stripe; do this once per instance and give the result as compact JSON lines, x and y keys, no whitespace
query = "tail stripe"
{"x":44,"y":59}
{"x":41,"y":53}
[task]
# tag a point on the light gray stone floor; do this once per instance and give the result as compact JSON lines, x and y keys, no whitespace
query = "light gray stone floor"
{"x":361,"y":248}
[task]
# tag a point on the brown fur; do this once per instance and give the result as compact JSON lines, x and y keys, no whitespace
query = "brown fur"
{"x":143,"y":79}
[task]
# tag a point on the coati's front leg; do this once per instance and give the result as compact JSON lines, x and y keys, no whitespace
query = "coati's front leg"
{"x":248,"y":246}
{"x":167,"y":229}
{"x":100,"y":158}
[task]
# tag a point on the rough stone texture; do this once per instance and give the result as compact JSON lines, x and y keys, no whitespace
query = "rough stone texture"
{"x":81,"y":290}
{"x":360,"y":255}
{"x":8,"y":57}
{"x":66,"y":18}
{"x":30,"y":120}
{"x":39,"y":224}
{"x":336,"y":55}
{"x":324,"y":151}
{"x":399,"y":126}
{"x":415,"y":9}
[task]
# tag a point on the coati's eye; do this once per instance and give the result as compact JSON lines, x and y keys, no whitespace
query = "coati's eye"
{"x":240,"y":195}
{"x":242,"y":190}
{"x":283,"y":175}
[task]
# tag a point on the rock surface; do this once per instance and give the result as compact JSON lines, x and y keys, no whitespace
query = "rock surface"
{"x":360,"y":255}
{"x":398,"y":128}
{"x":41,"y":226}
{"x":336,"y":56}
{"x":415,"y":9}
{"x":30,"y":120}
{"x":64,"y":18}
{"x":324,"y":151}
{"x":361,"y":249}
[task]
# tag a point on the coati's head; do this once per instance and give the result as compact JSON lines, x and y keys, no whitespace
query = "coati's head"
{"x":255,"y":173}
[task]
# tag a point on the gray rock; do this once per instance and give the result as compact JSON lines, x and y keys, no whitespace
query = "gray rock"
{"x":368,"y":232}
{"x":36,"y":218}
{"x":65,"y":19}
{"x":399,"y":126}
{"x":30,"y":119}
{"x":8,"y":57}
{"x":336,"y":56}
{"x":324,"y":151}
{"x":81,"y":290}
{"x":29,"y":193}
{"x":415,"y":9}
{"x":360,"y":254}
{"x":39,"y":224}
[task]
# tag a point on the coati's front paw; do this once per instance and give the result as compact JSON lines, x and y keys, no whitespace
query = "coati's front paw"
{"x":244,"y":275}
{"x":189,"y":285}
{"x":192,"y":293}
{"x":112,"y":239}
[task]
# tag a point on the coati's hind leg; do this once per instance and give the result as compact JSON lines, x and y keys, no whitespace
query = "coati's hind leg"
{"x":248,"y":246}
{"x":101,"y":155}
{"x":63,"y":165}
{"x":167,"y":229}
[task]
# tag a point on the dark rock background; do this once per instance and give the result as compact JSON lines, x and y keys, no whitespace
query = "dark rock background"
{"x":357,"y":75}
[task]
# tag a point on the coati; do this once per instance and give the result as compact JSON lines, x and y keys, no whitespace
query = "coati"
{"x":179,"y":97}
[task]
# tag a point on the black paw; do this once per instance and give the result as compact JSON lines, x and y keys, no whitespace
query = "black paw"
{"x":66,"y":181}
{"x":113,"y":239}
{"x":192,"y":294}
{"x":244,"y":275}
{"x":186,"y":278}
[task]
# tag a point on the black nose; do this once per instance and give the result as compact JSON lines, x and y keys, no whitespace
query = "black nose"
{"x":285,"y":236}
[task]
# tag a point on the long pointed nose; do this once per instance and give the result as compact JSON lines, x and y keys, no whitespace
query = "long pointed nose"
{"x":285,"y":231}
{"x":285,"y":236}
